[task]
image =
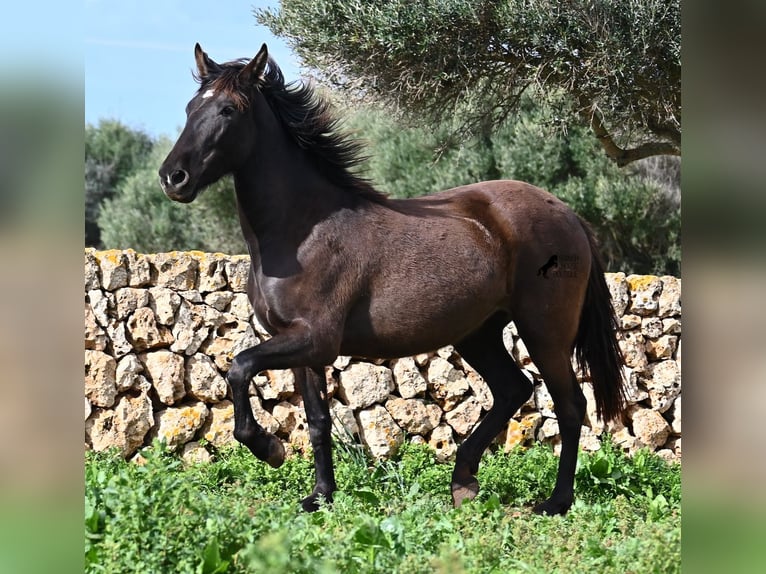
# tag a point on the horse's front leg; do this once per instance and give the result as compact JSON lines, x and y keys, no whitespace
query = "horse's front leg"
{"x":312,"y":385}
{"x":286,"y":350}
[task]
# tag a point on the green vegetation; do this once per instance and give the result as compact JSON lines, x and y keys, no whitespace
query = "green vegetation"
{"x":237,"y":515}
{"x":139,"y":216}
{"x":611,"y":65}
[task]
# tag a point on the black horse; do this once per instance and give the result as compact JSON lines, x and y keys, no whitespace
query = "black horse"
{"x":338,"y":268}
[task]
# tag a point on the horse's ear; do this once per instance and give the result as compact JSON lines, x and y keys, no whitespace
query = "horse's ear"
{"x":255,"y":68}
{"x":204,"y":64}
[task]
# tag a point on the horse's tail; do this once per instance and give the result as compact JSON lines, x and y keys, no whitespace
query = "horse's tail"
{"x":596,"y":349}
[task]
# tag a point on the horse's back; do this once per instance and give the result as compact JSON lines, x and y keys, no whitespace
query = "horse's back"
{"x":446,"y":262}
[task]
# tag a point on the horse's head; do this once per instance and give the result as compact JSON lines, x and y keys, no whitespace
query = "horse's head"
{"x":218,"y":135}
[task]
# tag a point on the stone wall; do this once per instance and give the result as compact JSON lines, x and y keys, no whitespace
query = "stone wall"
{"x":161,"y":331}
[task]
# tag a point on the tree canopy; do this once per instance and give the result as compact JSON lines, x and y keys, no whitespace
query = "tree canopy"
{"x":112,"y":152}
{"x":612,"y":65}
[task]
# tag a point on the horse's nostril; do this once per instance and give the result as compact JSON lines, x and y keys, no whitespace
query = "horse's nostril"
{"x":179,"y":177}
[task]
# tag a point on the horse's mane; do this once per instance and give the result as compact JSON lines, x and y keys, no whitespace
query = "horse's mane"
{"x":306,"y":116}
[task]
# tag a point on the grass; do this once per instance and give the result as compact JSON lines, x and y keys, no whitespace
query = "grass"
{"x":238,"y":515}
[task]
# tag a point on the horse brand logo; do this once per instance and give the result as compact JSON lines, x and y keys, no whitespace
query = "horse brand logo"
{"x":564,"y":266}
{"x":553,"y":262}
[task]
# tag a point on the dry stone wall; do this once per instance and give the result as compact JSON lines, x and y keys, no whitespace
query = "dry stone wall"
{"x":161,"y":331}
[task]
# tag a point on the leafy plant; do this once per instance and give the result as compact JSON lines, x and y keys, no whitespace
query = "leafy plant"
{"x":237,"y":515}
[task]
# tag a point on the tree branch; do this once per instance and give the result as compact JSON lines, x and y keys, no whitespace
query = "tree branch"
{"x":624,"y":156}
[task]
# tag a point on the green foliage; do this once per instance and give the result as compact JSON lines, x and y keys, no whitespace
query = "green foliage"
{"x":141,"y":217}
{"x":238,"y":515}
{"x":112,"y":152}
{"x":617,"y":61}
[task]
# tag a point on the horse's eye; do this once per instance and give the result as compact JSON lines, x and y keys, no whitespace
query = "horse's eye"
{"x":226,"y":111}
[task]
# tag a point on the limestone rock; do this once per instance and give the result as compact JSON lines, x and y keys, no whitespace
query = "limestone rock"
{"x":128,"y":299}
{"x":88,"y":408}
{"x":443,"y":443}
{"x":203,"y":381}
{"x":588,"y":440}
{"x":277,"y":384}
{"x":193,"y":296}
{"x":464,"y":416}
{"x":240,"y":306}
{"x":446,"y":384}
{"x":628,"y":322}
{"x":218,"y":300}
{"x":663,"y":384}
{"x":139,"y":269}
{"x":230,"y":338}
{"x":290,"y":418}
{"x":363,"y":384}
{"x":99,"y":304}
{"x":544,"y":401}
{"x":670,"y":298}
{"x":100,"y":377}
{"x":218,"y":429}
{"x":92,"y":270}
{"x":663,"y":347}
{"x":176,"y":270}
{"x":520,"y":431}
{"x":414,"y":415}
{"x":123,"y":427}
{"x":480,"y":390}
{"x":651,"y":327}
{"x":650,"y":428}
{"x":194,"y":453}
{"x":95,"y":336}
{"x":634,"y":393}
{"x":633,"y":347}
{"x":212,"y":272}
{"x":408,"y":379}
{"x":114,"y":269}
{"x":671,"y":326}
{"x":644,"y":294}
{"x":379,"y":432}
{"x":618,"y":288}
{"x":189,"y":330}
{"x":675,"y":416}
{"x":344,"y":424}
{"x":165,"y":370}
{"x":237,"y":270}
{"x":164,"y":302}
{"x":144,"y":333}
{"x":341,"y":362}
{"x":176,"y":426}
{"x":549,"y":429}
{"x":264,"y":417}
{"x":129,"y":369}
{"x":118,"y":337}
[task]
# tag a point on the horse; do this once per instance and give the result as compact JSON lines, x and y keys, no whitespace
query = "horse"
{"x":338,"y":268}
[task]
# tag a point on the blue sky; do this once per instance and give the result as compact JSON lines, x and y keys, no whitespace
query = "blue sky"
{"x":139,"y":55}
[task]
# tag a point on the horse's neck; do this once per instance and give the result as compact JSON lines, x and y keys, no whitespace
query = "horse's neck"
{"x":281,"y":197}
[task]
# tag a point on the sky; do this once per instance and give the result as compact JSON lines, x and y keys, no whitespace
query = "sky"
{"x":139,"y":55}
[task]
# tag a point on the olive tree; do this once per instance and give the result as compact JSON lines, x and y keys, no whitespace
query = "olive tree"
{"x":611,"y":65}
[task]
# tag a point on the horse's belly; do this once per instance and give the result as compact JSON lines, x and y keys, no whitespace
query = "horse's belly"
{"x":411,"y":327}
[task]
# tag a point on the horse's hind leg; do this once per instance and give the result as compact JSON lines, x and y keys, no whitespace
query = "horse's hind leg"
{"x":485,"y":352}
{"x":313,"y":387}
{"x":553,"y":359}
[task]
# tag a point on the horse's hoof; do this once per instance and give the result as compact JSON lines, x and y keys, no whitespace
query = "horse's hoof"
{"x":461,"y":492}
{"x":312,"y":502}
{"x":276,"y":454}
{"x":552,"y":507}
